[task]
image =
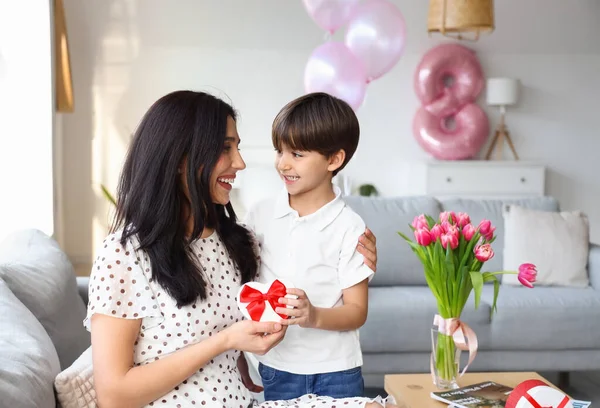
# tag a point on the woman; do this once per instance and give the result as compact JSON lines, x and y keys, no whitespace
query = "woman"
{"x":165,"y":326}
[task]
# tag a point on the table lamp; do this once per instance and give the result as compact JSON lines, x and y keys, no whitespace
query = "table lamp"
{"x":502,"y":92}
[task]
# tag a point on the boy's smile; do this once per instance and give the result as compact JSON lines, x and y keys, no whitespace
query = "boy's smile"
{"x":289,"y":179}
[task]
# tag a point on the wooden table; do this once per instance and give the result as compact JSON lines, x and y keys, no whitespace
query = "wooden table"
{"x":413,"y":390}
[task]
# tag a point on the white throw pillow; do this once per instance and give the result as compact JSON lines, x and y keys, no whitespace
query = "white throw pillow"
{"x":556,"y":242}
{"x":75,"y":385}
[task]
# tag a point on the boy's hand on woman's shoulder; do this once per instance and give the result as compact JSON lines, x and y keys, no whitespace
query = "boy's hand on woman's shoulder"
{"x":367,"y":247}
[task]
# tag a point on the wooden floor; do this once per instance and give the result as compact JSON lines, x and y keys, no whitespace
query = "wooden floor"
{"x":584,"y":385}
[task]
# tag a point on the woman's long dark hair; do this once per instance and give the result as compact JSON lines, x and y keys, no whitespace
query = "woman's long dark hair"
{"x":151,"y":200}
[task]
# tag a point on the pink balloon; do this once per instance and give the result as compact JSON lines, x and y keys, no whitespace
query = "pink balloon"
{"x":330,"y":14}
{"x":449,"y":126}
{"x":448,"y":63}
{"x":333,"y":69}
{"x":376,"y":34}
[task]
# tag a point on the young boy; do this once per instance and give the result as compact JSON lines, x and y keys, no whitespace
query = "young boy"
{"x":308,"y":237}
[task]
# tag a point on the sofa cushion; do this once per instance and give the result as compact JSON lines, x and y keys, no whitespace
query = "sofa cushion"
{"x":385,"y":216}
{"x":400,"y":320}
{"x":545,"y":318}
{"x":75,"y":385}
{"x":556,"y":242}
{"x":42,"y":278}
{"x":492,"y":210}
{"x":28,"y":361}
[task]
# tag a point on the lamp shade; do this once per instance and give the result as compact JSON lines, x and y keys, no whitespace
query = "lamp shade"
{"x":502,"y":91}
{"x":460,"y":16}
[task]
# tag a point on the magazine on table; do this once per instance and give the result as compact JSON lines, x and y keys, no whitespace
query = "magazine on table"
{"x":487,"y":394}
{"x":580,"y":404}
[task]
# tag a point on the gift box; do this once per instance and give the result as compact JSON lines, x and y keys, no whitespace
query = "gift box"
{"x":258,"y":301}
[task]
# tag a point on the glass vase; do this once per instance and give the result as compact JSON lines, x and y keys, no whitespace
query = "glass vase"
{"x":445,"y":360}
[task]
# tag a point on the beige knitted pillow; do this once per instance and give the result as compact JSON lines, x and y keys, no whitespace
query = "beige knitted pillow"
{"x":556,"y":242}
{"x":75,"y":385}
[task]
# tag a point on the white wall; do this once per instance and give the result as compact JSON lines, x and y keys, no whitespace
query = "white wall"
{"x":26,"y":116}
{"x":127,"y":53}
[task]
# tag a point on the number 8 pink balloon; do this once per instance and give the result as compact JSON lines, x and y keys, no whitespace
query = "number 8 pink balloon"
{"x":449,"y":125}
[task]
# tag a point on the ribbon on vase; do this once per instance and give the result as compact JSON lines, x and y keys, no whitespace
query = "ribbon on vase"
{"x":257,"y":300}
{"x":464,"y":337}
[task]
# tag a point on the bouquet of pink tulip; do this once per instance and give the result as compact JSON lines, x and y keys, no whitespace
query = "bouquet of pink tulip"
{"x":453,"y":252}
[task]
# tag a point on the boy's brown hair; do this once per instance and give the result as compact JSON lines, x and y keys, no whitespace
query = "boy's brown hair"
{"x":317,"y":122}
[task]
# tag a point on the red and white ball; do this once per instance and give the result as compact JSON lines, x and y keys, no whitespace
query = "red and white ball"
{"x":537,"y":394}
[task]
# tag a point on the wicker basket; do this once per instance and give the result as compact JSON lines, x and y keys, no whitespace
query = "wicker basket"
{"x":457,"y":17}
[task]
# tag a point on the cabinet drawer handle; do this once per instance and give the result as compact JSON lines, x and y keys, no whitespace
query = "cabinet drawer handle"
{"x":448,"y":179}
{"x":523,"y":179}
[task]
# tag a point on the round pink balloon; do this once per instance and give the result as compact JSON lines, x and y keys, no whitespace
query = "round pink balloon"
{"x":330,"y":14}
{"x":449,"y":126}
{"x":376,"y":34}
{"x":333,"y":69}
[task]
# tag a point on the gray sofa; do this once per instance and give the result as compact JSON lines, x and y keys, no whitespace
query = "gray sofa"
{"x":42,"y":306}
{"x":41,"y":315}
{"x":544,"y":329}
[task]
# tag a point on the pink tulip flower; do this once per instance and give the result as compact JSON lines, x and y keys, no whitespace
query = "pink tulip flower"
{"x":463,"y":219}
{"x":468,"y":231}
{"x":436,"y":232}
{"x":423,"y":237}
{"x":448,"y":215}
{"x":449,"y":228}
{"x":449,"y":239}
{"x":527,"y":274}
{"x":420,"y":222}
{"x":484,"y":252}
{"x":486,"y":229}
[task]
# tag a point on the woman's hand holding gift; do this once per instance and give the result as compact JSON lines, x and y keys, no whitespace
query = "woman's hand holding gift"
{"x":254,"y":337}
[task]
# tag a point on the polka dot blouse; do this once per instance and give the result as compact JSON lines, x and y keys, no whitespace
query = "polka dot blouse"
{"x":121,"y":286}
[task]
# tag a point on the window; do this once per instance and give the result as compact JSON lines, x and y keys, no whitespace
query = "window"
{"x":26,"y":117}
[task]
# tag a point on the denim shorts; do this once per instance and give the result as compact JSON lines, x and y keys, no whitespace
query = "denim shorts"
{"x":281,"y":385}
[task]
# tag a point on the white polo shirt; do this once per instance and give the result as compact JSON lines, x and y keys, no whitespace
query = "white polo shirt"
{"x":316,"y":253}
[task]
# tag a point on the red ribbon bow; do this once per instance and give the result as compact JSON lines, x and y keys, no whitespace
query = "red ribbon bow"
{"x":257,"y":300}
